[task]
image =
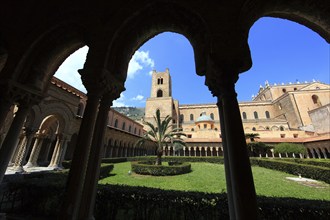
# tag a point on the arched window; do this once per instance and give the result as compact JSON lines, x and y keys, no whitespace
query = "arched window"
{"x":254,"y":129}
{"x":267,"y":128}
{"x":267,"y":114}
{"x":284,"y":90}
{"x":123,"y":128}
{"x":255,"y":115}
{"x":215,"y":129}
{"x":134,"y":130}
{"x":212,"y":116}
{"x":160,"y":81}
{"x":116,"y":123}
{"x":244,"y":115}
{"x":129,"y":128}
{"x":205,"y":126}
{"x":192,"y":129}
{"x":191,"y":117}
{"x":316,"y":100}
{"x":181,"y":118}
{"x":281,"y":128}
{"x":160,"y":93}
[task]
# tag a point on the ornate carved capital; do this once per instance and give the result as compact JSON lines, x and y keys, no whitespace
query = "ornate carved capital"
{"x":221,"y":79}
{"x":22,"y":95}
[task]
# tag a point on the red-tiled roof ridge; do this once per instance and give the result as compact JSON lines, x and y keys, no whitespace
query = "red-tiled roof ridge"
{"x":61,"y":84}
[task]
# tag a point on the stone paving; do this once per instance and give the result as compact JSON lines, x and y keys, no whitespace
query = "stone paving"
{"x":10,"y":170}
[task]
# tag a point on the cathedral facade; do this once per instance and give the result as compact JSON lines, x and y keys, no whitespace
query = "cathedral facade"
{"x":296,"y":113}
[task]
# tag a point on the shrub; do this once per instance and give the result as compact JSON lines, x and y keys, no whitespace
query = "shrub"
{"x":290,"y":148}
{"x":105,"y":170}
{"x":180,"y":159}
{"x":315,"y":162}
{"x":160,"y":170}
{"x":130,"y":202}
{"x":114,"y":160}
{"x":305,"y":170}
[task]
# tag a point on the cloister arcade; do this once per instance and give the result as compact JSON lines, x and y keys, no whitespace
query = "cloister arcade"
{"x":36,"y":37}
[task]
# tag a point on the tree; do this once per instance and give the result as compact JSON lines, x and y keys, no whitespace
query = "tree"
{"x":290,"y":148}
{"x":162,"y":134}
{"x":250,"y":137}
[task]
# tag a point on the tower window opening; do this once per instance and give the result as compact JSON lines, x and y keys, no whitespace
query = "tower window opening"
{"x":160,"y":93}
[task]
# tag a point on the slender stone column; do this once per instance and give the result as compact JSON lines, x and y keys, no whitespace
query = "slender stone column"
{"x":4,"y":110}
{"x":96,"y":81}
{"x":226,"y":162}
{"x":8,"y":145}
{"x":243,"y":193}
{"x":58,"y":152}
{"x":32,"y":162}
{"x":79,"y":160}
{"x":94,"y":162}
{"x":324,"y":154}
{"x":23,"y":149}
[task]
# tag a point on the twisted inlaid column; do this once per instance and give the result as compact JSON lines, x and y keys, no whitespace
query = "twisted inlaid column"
{"x":10,"y":142}
{"x":23,"y":149}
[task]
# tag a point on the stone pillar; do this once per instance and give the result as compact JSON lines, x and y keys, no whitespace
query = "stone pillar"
{"x":195,"y":151}
{"x":9,"y":144}
{"x":324,"y":154}
{"x":23,"y":149}
{"x":217,"y":149}
{"x":226,"y":162}
{"x":59,"y":151}
{"x":94,"y":162}
{"x":184,"y":151}
{"x":5,"y":105}
{"x":242,"y":195}
{"x":189,"y":151}
{"x":32,"y":162}
{"x":72,"y":199}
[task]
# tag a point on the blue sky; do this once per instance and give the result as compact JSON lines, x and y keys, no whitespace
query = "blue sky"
{"x":282,"y":52}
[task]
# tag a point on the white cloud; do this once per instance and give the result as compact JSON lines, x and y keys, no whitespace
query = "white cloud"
{"x":138,"y":98}
{"x":139,"y":61}
{"x":120,"y":102}
{"x":68,"y":71}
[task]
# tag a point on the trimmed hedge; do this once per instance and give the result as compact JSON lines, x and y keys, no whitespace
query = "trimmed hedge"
{"x":309,"y":171}
{"x":315,"y":162}
{"x":114,"y":160}
{"x":145,"y":168}
{"x":179,"y":159}
{"x":129,"y":202}
{"x":105,"y":170}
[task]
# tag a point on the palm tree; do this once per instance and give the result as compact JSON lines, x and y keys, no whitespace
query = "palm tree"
{"x":250,"y":137}
{"x":162,"y":134}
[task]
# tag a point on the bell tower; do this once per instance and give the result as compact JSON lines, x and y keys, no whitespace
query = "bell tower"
{"x":161,"y":97}
{"x":161,"y":84}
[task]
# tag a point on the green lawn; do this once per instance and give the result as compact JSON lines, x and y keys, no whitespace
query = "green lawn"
{"x":208,"y":177}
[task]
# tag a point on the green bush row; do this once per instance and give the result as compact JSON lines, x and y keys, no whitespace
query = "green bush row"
{"x":105,"y":170}
{"x":305,"y":170}
{"x":179,"y":159}
{"x":114,"y":160}
{"x":315,"y":162}
{"x":161,"y":170}
{"x":129,"y":202}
